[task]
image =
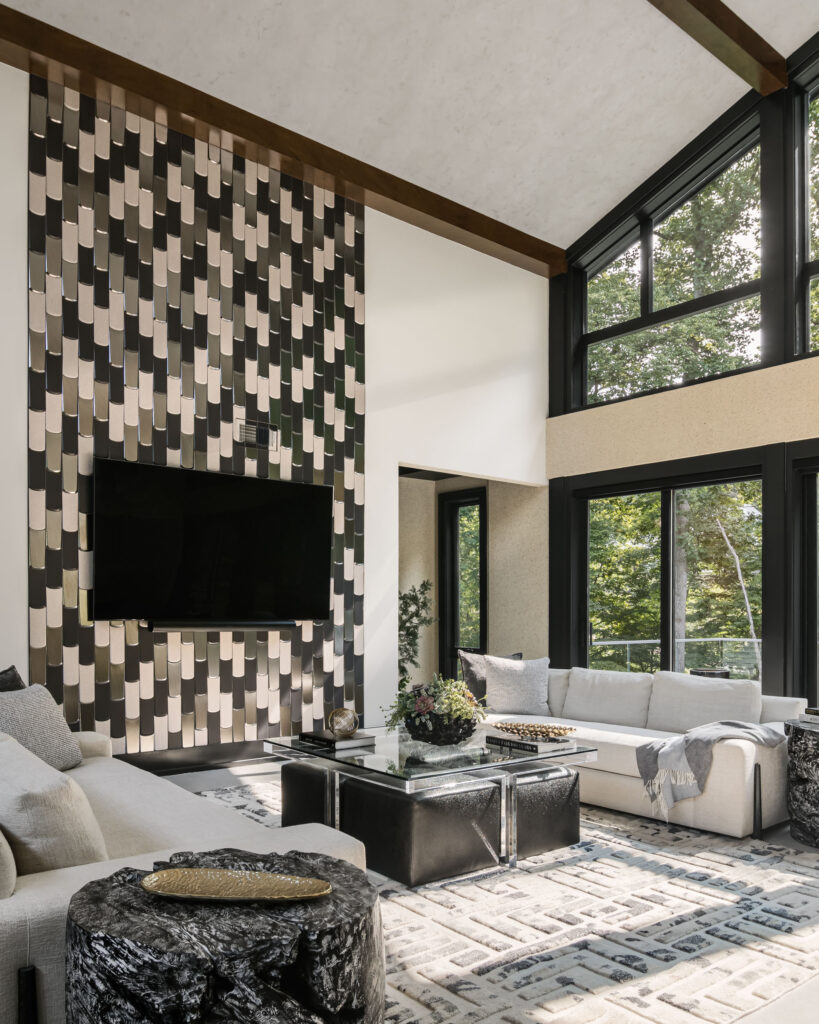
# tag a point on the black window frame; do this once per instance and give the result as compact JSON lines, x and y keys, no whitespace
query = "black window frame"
{"x":449,"y":504}
{"x":568,"y":555}
{"x":778,"y":122}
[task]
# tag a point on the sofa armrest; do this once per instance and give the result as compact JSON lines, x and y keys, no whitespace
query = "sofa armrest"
{"x":93,"y":744}
{"x":780,"y":709}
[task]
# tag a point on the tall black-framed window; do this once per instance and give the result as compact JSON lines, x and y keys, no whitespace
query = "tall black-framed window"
{"x":803,"y":509}
{"x":674,"y":566}
{"x":635,"y":313}
{"x":462,"y":575}
{"x":683,"y":302}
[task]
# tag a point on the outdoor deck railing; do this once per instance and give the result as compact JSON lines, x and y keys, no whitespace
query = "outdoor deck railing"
{"x":733,"y":652}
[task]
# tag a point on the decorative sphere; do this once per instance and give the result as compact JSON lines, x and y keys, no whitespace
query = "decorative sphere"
{"x":343,"y":722}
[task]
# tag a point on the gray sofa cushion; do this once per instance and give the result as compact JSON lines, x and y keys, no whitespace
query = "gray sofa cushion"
{"x":517,"y":687}
{"x":8,"y":869}
{"x":617,"y":698}
{"x":473,"y":667}
{"x":32,"y":717}
{"x":680,"y":702}
{"x":46,"y":818}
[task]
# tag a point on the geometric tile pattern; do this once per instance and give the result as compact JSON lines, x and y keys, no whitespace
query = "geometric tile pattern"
{"x":639,"y":922}
{"x":174,"y":289}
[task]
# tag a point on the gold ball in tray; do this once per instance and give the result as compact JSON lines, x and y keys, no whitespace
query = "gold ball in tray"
{"x":534,"y":730}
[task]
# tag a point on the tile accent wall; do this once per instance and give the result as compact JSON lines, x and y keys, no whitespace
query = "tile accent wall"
{"x":176,"y":288}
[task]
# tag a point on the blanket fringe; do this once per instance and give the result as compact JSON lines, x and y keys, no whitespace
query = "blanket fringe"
{"x":654,"y":787}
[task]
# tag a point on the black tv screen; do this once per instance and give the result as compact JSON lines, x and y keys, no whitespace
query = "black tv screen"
{"x":178,"y":546}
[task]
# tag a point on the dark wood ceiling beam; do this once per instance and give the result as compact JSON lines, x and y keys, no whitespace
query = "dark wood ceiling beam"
{"x":41,"y":49}
{"x":732,"y":41}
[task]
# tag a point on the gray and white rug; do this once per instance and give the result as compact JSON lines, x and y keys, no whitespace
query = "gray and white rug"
{"x":638,"y":922}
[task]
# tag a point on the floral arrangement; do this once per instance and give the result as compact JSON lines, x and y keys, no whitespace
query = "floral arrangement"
{"x":447,"y":700}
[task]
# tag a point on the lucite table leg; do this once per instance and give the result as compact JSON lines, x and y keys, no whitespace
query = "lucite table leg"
{"x":512,"y":819}
{"x":332,"y":799}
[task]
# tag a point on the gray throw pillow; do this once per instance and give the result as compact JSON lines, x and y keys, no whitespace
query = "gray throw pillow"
{"x":46,"y":817}
{"x":8,"y":869}
{"x":473,"y":667}
{"x":31,"y":716}
{"x":517,"y":687}
{"x":10,"y":680}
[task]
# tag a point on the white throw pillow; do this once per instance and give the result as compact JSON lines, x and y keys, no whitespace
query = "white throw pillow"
{"x":617,"y":698}
{"x":45,"y":816}
{"x":558,"y":688}
{"x":680,"y":702}
{"x":32,"y":717}
{"x":8,"y":869}
{"x":517,"y":687}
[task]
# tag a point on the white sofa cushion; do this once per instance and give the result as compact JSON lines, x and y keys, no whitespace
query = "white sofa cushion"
{"x":32,"y":717}
{"x":517,"y":687}
{"x":680,"y":702}
{"x":8,"y":869}
{"x":616,"y":745}
{"x":558,"y":688}
{"x":780,"y":709}
{"x":617,"y":698}
{"x":45,"y":816}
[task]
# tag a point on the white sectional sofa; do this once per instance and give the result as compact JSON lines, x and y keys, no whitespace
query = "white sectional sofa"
{"x":616,"y":718}
{"x":143,"y":818}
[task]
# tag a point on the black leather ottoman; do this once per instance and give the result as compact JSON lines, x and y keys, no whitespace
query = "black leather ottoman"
{"x":427,"y":835}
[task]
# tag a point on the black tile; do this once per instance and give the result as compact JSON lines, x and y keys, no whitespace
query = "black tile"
{"x":102,"y":702}
{"x":54,"y":372}
{"x":101,"y":176}
{"x":36,"y":154}
{"x":87,"y":112}
{"x":85,"y":264}
{"x":146,"y":281}
{"x":54,"y":682}
{"x":36,"y":233}
{"x":86,"y":645}
{"x":54,"y":217}
{"x":146,"y":716}
{"x":132,"y":149}
{"x":70,"y":318}
{"x":116,"y":163}
{"x":101,"y":288}
{"x":36,"y":391}
{"x":54,"y":139}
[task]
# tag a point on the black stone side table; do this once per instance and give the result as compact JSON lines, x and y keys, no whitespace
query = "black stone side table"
{"x":803,"y":780}
{"x":136,"y":958}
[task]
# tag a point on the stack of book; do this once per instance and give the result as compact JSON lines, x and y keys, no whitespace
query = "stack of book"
{"x":329,"y":741}
{"x":810,"y":715}
{"x":507,"y":741}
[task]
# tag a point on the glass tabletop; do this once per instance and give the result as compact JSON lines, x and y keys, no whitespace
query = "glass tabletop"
{"x":397,"y":755}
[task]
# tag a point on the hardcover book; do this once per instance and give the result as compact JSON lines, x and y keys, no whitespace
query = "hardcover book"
{"x":329,"y":740}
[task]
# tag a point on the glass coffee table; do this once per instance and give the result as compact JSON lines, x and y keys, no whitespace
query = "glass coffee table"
{"x":408,"y":783}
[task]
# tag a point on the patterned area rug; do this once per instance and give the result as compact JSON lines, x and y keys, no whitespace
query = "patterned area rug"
{"x":638,"y":922}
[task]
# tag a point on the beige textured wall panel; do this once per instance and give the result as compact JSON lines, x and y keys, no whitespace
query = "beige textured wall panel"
{"x":418,"y":559}
{"x":518,"y":569}
{"x":761,"y":407}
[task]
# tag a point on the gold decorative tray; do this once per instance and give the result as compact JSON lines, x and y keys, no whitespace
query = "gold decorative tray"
{"x":542,"y":731}
{"x":231,"y":885}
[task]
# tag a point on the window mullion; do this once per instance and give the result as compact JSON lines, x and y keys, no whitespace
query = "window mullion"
{"x":646,"y":267}
{"x":667,"y":580}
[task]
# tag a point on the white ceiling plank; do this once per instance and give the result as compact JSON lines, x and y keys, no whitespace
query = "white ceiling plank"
{"x":540,"y":113}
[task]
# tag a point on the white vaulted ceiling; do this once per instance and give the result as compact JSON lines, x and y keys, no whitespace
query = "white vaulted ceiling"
{"x":540,"y":113}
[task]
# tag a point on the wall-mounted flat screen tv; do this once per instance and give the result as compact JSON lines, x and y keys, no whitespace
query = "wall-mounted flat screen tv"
{"x":188,"y":548}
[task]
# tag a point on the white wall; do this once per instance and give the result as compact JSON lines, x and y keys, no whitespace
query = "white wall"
{"x":456,"y":380}
{"x":14,"y":370}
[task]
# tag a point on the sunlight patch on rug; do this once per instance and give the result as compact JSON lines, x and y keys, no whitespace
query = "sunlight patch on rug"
{"x":640,"y":921}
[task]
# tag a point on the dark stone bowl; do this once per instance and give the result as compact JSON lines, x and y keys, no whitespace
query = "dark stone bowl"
{"x":443,"y":732}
